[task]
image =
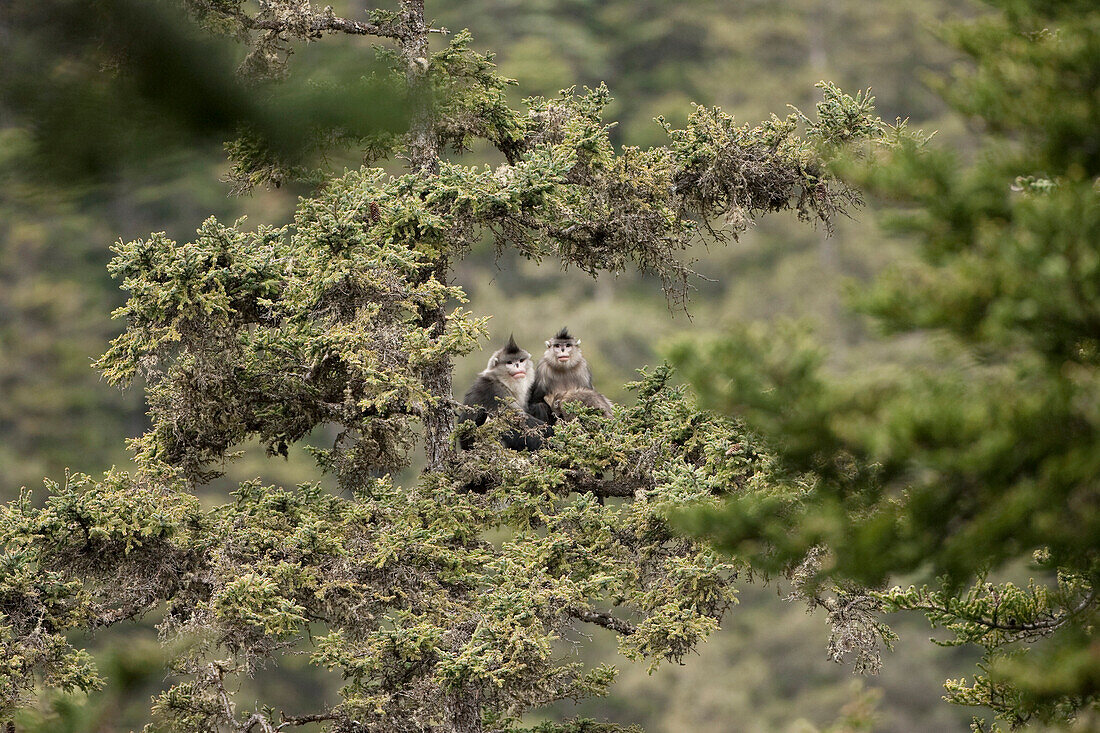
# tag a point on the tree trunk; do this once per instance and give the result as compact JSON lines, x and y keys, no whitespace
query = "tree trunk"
{"x":463,"y":713}
{"x":423,"y":153}
{"x":422,"y":148}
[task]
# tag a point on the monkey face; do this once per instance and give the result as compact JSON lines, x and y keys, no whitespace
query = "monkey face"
{"x":517,"y":368}
{"x":510,"y":360}
{"x":562,"y":351}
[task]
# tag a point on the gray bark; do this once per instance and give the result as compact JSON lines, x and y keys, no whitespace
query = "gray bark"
{"x":423,"y":157}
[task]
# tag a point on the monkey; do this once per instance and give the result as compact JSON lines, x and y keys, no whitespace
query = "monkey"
{"x":504,"y":384}
{"x":561,"y":368}
{"x":586,"y":397}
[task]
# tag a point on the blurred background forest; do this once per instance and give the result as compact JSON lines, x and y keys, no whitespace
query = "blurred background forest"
{"x":767,"y":668}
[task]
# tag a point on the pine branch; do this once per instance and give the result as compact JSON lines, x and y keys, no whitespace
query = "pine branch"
{"x":618,"y":486}
{"x":329,"y":23}
{"x":605,"y":620}
{"x":288,"y":720}
{"x":1048,"y":624}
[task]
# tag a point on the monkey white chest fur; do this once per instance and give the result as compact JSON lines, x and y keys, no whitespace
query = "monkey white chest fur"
{"x":505,"y":381}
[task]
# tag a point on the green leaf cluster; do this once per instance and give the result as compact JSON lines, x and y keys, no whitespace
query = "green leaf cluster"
{"x":414,"y":594}
{"x":983,"y":450}
{"x":442,"y":602}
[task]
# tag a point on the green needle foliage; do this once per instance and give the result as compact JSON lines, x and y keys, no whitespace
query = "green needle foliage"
{"x":984,"y":457}
{"x":440,"y":603}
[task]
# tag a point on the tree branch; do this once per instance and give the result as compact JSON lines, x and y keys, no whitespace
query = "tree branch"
{"x":620,"y":486}
{"x":323,"y":23}
{"x":1051,"y":623}
{"x":605,"y":620}
{"x":306,"y":719}
{"x":116,"y":615}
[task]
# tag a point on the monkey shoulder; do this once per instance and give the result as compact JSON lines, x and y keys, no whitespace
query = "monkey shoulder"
{"x":484,"y":396}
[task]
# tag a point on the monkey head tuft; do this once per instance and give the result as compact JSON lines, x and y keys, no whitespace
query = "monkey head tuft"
{"x":563,"y":337}
{"x":509,"y":352}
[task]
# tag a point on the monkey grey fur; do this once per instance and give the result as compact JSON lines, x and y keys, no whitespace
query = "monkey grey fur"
{"x":561,"y":368}
{"x":559,"y":402}
{"x":504,"y":384}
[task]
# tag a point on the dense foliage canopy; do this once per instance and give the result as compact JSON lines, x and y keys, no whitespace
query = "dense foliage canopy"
{"x":984,"y":461}
{"x":439,"y":605}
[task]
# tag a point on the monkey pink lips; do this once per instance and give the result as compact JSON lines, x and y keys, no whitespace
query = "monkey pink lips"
{"x":517,"y":375}
{"x":563,"y":358}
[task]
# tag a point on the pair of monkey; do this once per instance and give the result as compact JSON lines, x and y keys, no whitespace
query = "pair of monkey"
{"x":542,"y":394}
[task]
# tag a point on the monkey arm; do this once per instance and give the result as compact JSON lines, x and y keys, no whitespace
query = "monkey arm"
{"x":541,"y":411}
{"x":536,"y":404}
{"x":485,"y":398}
{"x":482,"y":397}
{"x":529,"y":437}
{"x":475,"y":414}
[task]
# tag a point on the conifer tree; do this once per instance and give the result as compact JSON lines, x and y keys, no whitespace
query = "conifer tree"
{"x":981,"y":461}
{"x":439,"y":606}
